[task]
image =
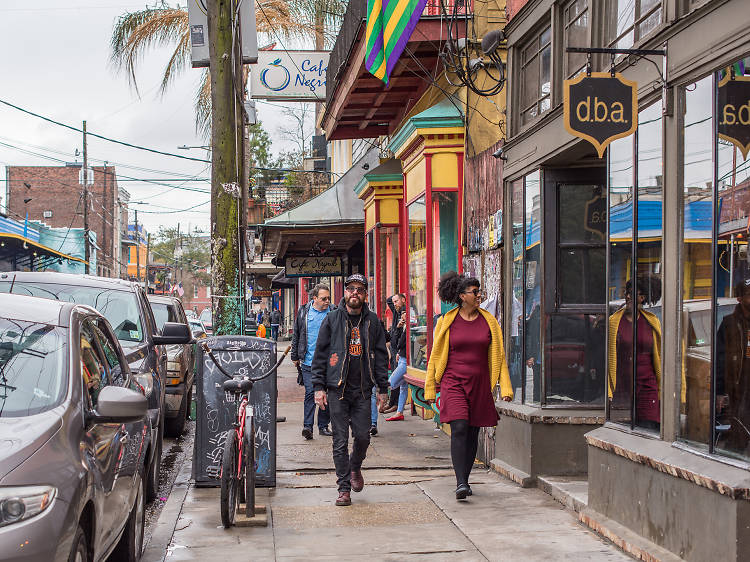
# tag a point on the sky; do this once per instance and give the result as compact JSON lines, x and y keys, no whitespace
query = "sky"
{"x":54,"y":61}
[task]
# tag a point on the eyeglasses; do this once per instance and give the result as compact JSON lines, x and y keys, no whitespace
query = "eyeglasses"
{"x":325,"y":299}
{"x":475,"y":292}
{"x":360,"y":290}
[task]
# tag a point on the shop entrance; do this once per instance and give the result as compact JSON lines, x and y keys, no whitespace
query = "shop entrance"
{"x":574,"y":288}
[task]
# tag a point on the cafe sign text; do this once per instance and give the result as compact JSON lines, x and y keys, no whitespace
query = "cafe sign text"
{"x":600,"y":108}
{"x":312,"y":266}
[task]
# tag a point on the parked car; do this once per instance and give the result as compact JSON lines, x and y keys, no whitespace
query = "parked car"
{"x":124,"y":305}
{"x":207,"y":318}
{"x":74,"y":435}
{"x":180,"y":364}
{"x":197,"y":327}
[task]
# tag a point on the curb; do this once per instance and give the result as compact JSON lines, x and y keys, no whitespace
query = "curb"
{"x":156,"y":550}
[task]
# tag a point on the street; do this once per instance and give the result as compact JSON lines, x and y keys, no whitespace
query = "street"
{"x":406,"y":510}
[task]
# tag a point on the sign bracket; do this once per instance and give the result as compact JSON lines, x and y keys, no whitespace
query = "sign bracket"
{"x":640,"y":53}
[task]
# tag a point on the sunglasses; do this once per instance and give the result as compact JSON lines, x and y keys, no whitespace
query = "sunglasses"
{"x":475,"y":292}
{"x":360,"y":290}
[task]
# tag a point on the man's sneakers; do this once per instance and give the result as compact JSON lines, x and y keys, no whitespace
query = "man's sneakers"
{"x":325,"y":431}
{"x":398,"y":417}
{"x":373,"y":430}
{"x":462,"y":491}
{"x":358,"y":481}
{"x":307,"y":433}
{"x":344,"y":499}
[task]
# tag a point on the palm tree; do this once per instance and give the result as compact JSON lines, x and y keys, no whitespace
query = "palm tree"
{"x":164,"y":25}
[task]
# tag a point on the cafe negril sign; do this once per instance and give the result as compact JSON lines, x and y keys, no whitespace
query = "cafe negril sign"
{"x":600,"y":108}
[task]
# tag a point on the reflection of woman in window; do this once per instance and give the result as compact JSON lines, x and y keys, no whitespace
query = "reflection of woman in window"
{"x":647,"y":355}
{"x":467,"y":360}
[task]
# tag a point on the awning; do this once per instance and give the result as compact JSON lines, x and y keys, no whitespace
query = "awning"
{"x":281,"y":281}
{"x":28,"y":253}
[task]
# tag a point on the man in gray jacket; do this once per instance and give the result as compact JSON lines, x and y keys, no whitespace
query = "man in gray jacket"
{"x":350,"y":359}
{"x":304,"y":339}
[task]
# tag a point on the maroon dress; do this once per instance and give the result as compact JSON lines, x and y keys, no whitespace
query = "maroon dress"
{"x":465,"y":392}
{"x":646,"y":385}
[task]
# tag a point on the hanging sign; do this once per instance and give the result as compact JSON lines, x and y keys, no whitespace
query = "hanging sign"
{"x":312,"y":267}
{"x":734,"y":111}
{"x":290,"y":75}
{"x":600,"y":108}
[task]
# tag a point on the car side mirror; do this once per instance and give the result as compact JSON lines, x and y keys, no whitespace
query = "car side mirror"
{"x":116,"y":404}
{"x":174,"y":333}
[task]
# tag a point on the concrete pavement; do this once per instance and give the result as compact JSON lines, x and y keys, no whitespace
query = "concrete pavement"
{"x":406,"y":511}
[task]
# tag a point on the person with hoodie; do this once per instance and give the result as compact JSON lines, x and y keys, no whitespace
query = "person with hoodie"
{"x":733,"y":371}
{"x":467,"y":361}
{"x":350,"y":358}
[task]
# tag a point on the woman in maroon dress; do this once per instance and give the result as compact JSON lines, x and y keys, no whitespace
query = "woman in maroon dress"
{"x":467,"y":360}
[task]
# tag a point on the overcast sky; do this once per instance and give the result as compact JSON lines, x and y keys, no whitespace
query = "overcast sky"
{"x":55,"y":62}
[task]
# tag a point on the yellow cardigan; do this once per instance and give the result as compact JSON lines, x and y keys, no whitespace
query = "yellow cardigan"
{"x":439,"y":356}
{"x":614,"y":325}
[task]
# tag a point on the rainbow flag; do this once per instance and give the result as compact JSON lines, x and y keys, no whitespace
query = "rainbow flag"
{"x":390,"y":23}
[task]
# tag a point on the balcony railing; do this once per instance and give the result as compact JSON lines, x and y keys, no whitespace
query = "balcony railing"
{"x":435,"y":7}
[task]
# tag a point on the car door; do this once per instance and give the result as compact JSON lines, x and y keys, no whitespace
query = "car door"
{"x":103,"y":442}
{"x":189,"y":352}
{"x":132,"y":435}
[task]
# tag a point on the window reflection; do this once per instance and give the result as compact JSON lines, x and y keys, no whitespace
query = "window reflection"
{"x":532,"y":287}
{"x":516,"y":365}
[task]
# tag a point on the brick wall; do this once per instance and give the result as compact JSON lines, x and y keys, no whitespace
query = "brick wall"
{"x":57,"y":189}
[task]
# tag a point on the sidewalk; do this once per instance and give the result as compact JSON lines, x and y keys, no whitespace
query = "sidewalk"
{"x":407,"y":509}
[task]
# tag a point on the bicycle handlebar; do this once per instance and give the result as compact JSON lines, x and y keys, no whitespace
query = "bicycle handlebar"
{"x":207,"y":349}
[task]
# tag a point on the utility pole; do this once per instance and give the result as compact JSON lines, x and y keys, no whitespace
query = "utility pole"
{"x":87,"y":249}
{"x":148,"y":250}
{"x":137,"y":250}
{"x":225,"y":188}
{"x":103,"y":244}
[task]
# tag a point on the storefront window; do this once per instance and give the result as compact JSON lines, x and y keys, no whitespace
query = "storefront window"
{"x":532,"y":288}
{"x":575,"y":34}
{"x":630,"y":20}
{"x":445,"y":243}
{"x":535,"y":76}
{"x":417,"y":252}
{"x":515,"y":326}
{"x":696,"y":332}
{"x":388,"y":266}
{"x":634,"y":371}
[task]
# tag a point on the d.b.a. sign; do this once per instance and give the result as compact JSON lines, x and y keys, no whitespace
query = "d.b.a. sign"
{"x":734,"y":111}
{"x":600,"y":108}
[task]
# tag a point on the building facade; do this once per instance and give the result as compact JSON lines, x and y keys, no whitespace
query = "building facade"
{"x":656,"y":431}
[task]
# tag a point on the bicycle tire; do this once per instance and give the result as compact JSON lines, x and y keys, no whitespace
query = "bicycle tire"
{"x":229,"y":480}
{"x":250,"y":469}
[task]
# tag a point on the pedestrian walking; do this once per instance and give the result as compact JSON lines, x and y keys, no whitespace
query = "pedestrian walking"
{"x":275,"y":319}
{"x":349,"y":359}
{"x":398,"y":349}
{"x":304,"y":340}
{"x":397,"y":306}
{"x":467,"y":360}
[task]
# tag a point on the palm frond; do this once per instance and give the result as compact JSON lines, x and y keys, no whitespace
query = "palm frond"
{"x":203,"y":106}
{"x":136,"y":32}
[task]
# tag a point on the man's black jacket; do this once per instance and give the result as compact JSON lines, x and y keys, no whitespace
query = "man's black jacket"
{"x":299,"y":335}
{"x":330,"y":364}
{"x":398,"y":335}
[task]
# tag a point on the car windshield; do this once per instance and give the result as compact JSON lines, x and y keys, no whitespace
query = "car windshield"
{"x":163,"y":313}
{"x":33,"y":367}
{"x":206,"y":316}
{"x":119,"y":307}
{"x":700,"y":324}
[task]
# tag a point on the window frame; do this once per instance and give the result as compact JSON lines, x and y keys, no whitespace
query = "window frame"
{"x":532,"y":37}
{"x":564,"y":27}
{"x":638,"y":19}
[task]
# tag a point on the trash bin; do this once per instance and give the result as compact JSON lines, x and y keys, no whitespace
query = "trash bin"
{"x":251,"y":327}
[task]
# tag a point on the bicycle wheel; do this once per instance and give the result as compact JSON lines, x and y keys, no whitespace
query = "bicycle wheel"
{"x":249,"y":454}
{"x":229,"y":480}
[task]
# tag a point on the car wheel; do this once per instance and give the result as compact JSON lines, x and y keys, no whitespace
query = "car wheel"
{"x":80,"y":551}
{"x":130,"y":547}
{"x":176,"y":425}
{"x":152,"y":480}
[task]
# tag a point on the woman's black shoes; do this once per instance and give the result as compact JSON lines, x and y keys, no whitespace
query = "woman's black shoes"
{"x":462,"y":491}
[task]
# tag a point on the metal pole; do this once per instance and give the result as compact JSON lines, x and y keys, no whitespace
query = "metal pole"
{"x":148,"y":249}
{"x":103,"y":243}
{"x":87,"y":249}
{"x":137,"y":250}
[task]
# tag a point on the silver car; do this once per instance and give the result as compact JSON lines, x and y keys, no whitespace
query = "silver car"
{"x":74,"y":432}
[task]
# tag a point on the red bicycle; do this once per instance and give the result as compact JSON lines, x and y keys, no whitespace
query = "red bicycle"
{"x":238,"y":460}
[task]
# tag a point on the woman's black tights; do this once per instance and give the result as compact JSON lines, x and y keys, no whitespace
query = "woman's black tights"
{"x":464,"y":442}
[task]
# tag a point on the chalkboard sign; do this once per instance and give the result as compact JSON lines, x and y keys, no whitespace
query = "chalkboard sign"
{"x":216,"y":410}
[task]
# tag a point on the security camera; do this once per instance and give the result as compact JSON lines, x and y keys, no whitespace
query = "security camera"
{"x":499,"y":154}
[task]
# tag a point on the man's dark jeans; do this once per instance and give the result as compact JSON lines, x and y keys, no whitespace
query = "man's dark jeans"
{"x":275,"y":332}
{"x":323,"y":416}
{"x":354,"y":411}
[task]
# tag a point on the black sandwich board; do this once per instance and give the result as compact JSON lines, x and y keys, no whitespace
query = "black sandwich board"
{"x":216,"y":411}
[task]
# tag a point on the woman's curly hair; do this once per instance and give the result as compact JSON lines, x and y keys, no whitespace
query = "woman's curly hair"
{"x":452,"y":284}
{"x":647,"y":285}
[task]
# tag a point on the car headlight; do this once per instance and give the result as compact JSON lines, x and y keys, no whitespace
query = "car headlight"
{"x":23,"y":502}
{"x":173,"y":366}
{"x":146,"y":382}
